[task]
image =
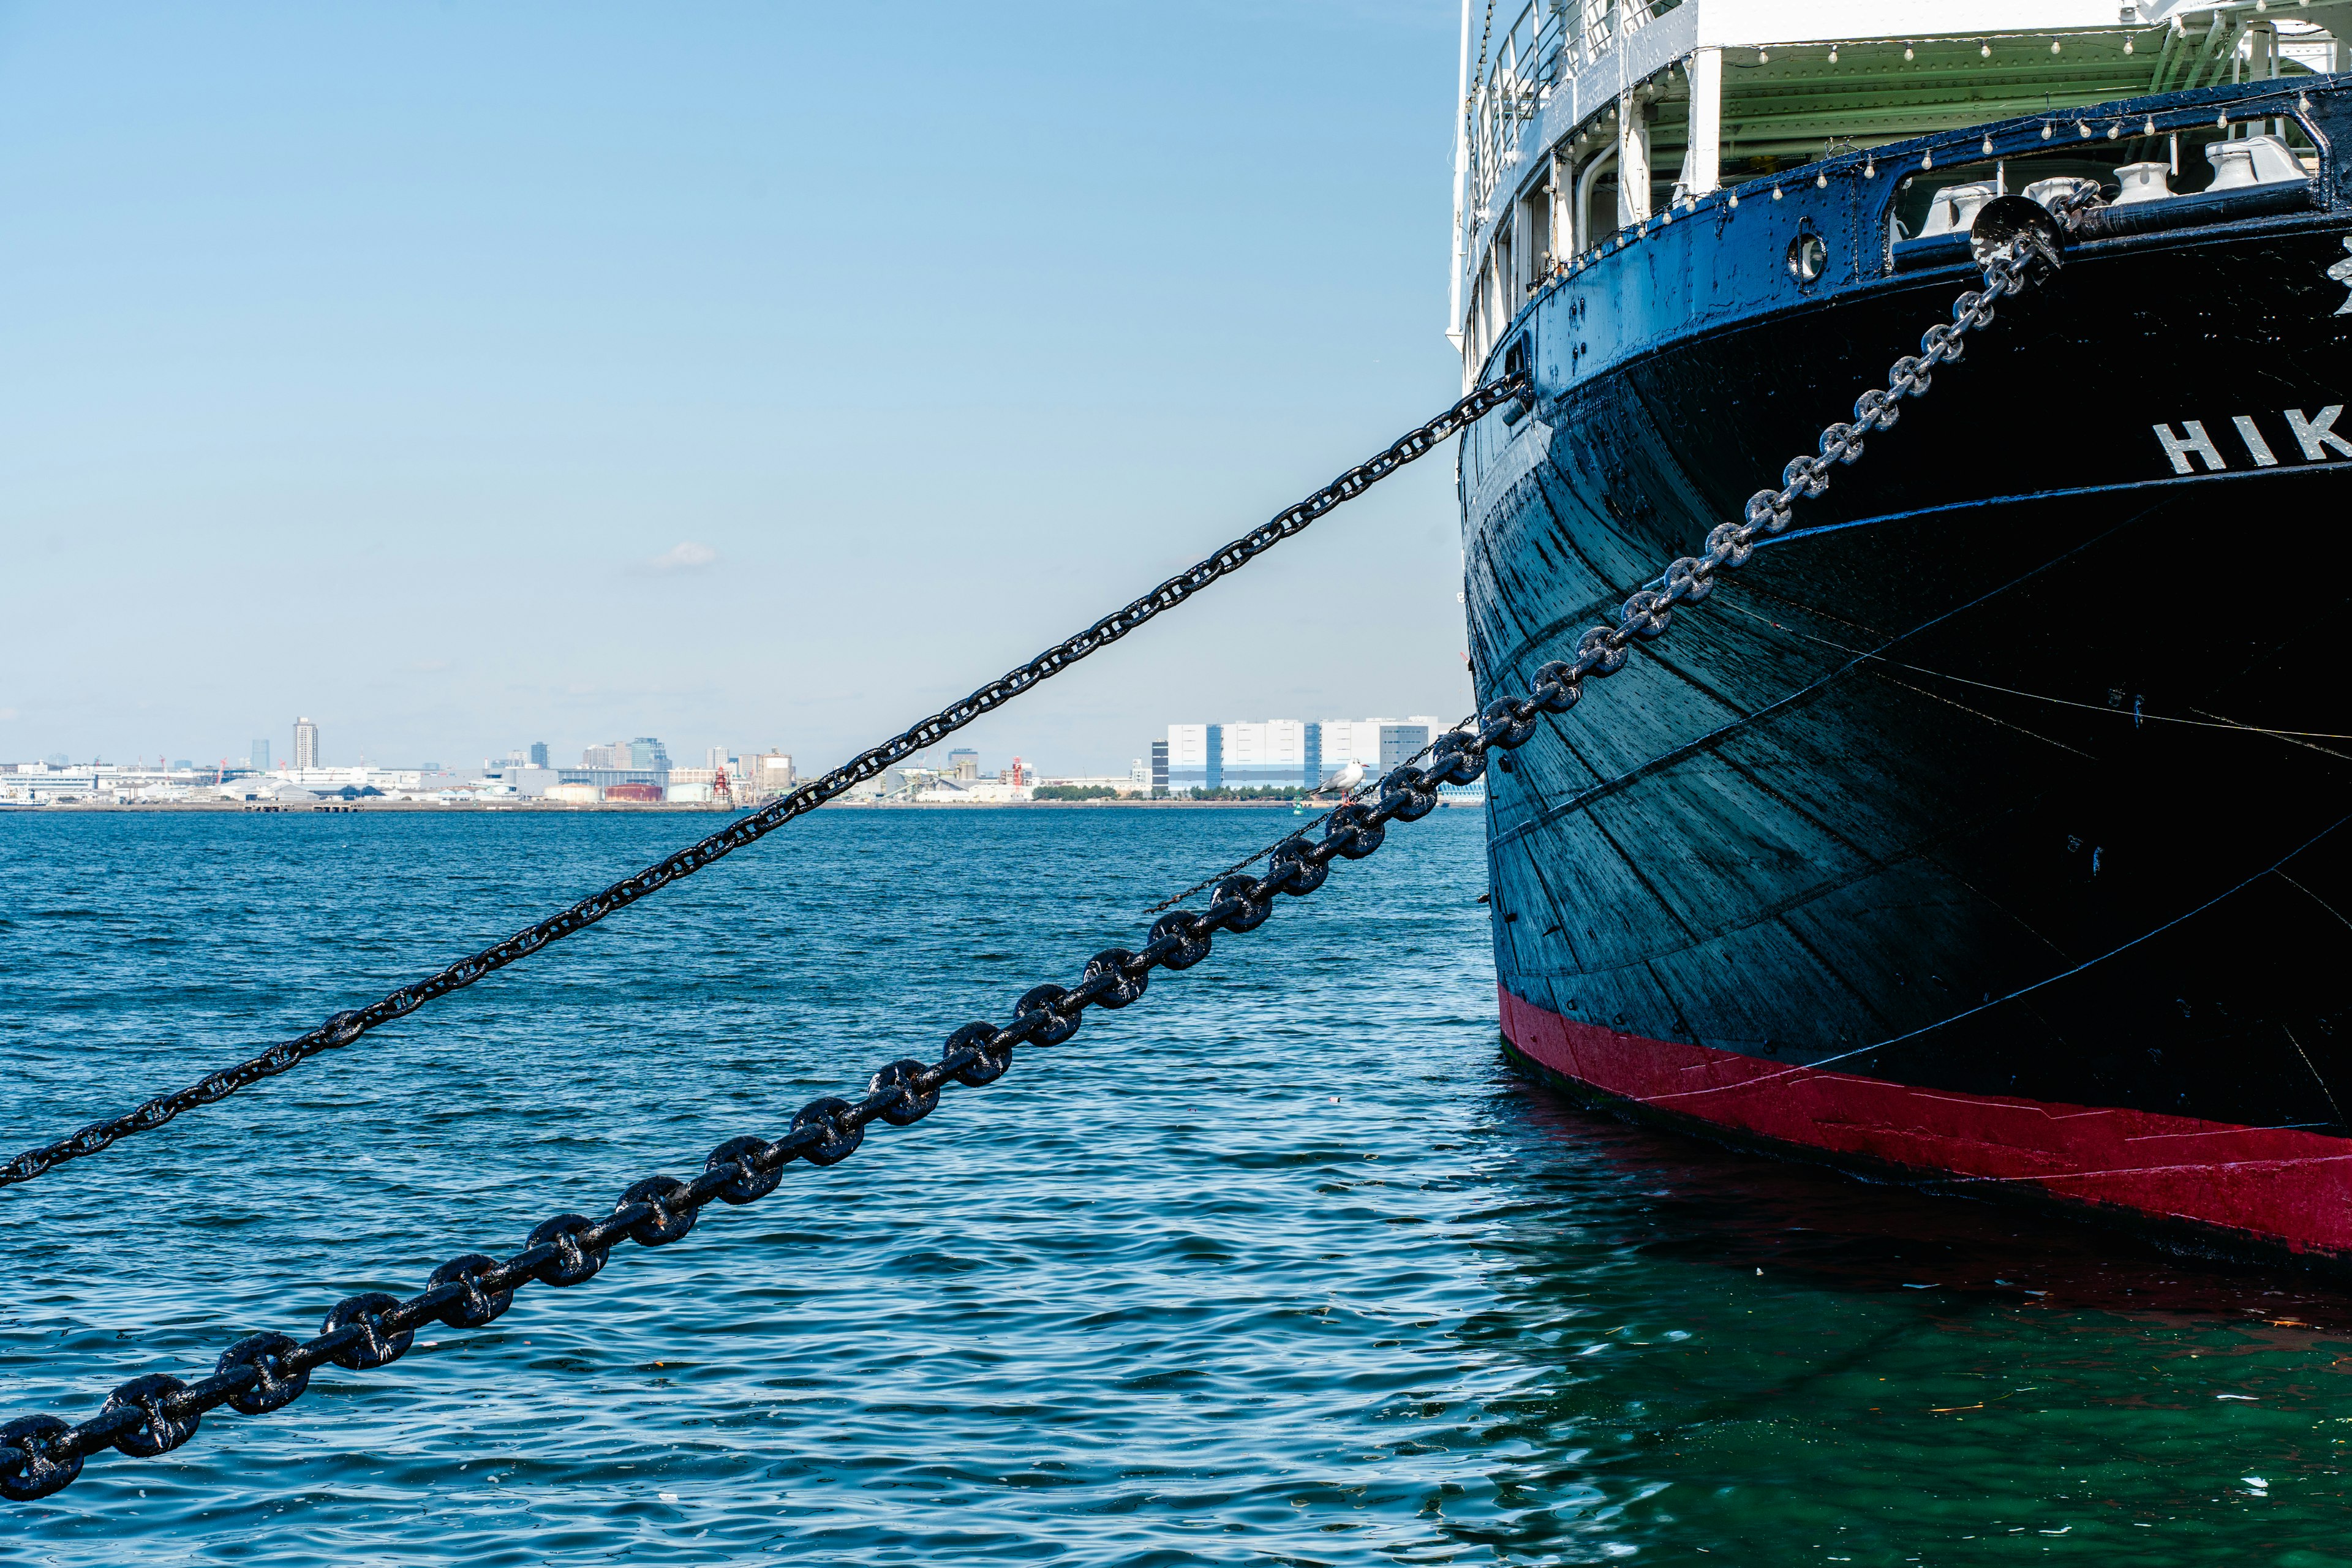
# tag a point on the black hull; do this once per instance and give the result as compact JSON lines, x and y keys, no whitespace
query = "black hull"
{"x":2015,"y":774}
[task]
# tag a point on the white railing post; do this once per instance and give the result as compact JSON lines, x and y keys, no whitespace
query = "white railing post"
{"x":1705,"y":71}
{"x":1632,"y":160}
{"x":1523,"y":261}
{"x":1563,"y":206}
{"x":1461,"y":180}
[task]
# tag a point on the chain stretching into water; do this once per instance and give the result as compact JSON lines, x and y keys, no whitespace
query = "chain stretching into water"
{"x":1347,"y":796}
{"x":345,"y":1027}
{"x":156,"y":1413}
{"x":1602,"y":649}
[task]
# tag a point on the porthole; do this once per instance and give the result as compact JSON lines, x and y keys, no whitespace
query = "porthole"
{"x":1808,"y":257}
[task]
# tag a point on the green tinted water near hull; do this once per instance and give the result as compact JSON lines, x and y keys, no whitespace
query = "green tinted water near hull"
{"x":1280,"y":1264}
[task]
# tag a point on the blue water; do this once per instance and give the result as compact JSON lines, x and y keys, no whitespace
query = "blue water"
{"x":1279,"y":1265}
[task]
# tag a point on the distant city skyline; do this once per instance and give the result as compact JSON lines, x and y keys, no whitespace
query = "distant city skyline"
{"x":642,"y":753}
{"x":535,"y":389}
{"x":1232,"y":751}
{"x":1246,"y":750}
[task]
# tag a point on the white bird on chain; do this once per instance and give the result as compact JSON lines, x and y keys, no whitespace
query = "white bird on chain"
{"x":1343,"y":780}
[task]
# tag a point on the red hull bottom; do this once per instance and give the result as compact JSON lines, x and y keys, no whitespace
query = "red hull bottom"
{"x":2262,"y":1190}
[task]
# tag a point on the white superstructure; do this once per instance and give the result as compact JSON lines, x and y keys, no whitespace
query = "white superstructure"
{"x":1583,"y":118}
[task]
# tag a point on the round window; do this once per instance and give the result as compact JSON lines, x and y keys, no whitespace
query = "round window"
{"x":1808,"y":256}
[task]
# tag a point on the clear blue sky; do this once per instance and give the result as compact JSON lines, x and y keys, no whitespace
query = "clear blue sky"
{"x":372,"y":361}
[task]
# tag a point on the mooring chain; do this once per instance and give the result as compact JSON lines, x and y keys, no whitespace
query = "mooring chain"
{"x":1602,"y":650}
{"x":345,"y":1027}
{"x":2008,"y":268}
{"x":156,"y":1413}
{"x":1347,"y":797}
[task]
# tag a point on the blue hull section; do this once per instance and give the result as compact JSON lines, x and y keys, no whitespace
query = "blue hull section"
{"x":2020,"y":766}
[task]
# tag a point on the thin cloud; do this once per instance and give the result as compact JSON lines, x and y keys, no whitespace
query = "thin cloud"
{"x":684,"y":557}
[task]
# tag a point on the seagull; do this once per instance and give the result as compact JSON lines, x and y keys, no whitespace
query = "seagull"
{"x":1346,"y":779}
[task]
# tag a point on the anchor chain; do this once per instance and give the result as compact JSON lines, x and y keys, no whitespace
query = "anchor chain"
{"x":347,"y":1027}
{"x":155,"y":1413}
{"x":1347,"y":797}
{"x":2007,"y":267}
{"x":2009,"y":264}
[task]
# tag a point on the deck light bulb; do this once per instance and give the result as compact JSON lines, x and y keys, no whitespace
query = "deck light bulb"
{"x":1734,"y":199}
{"x":2114,"y":131}
{"x":1821,"y":182}
{"x":2222,"y":120}
{"x":1869,"y":170}
{"x":1776,"y":193}
{"x":2054,"y":46}
{"x":2127,"y":46}
{"x":1985,"y":50}
{"x":2045,"y":133}
{"x":2082,"y":130}
{"x":1988,"y":146}
{"x":1763,"y":56}
{"x":1833,"y":56}
{"x":2149,"y":128}
{"x":1907,"y":52}
{"x":1926,"y":160}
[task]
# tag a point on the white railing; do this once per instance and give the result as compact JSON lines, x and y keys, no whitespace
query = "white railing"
{"x":1524,"y":62}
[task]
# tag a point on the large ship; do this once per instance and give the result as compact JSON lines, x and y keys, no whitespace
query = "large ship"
{"x":1987,"y":830}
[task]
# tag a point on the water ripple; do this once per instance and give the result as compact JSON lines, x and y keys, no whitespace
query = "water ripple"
{"x":1276,"y":1265}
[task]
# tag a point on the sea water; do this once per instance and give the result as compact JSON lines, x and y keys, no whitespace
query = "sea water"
{"x":1280,"y":1264}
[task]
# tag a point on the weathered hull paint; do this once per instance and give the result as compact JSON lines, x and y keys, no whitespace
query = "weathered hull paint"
{"x":1992,"y":827}
{"x":2246,"y":1190}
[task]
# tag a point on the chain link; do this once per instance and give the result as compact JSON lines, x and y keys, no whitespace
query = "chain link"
{"x":1602,"y":650}
{"x":1348,"y":798}
{"x":155,"y":1413}
{"x":345,"y":1027}
{"x":2009,"y":270}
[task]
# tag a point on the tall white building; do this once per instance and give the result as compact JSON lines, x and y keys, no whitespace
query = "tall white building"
{"x":1291,"y":750}
{"x":1188,"y":748}
{"x":1349,"y":741}
{"x":305,"y":744}
{"x":1265,"y":744}
{"x":1372,"y":741}
{"x":1245,"y":751}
